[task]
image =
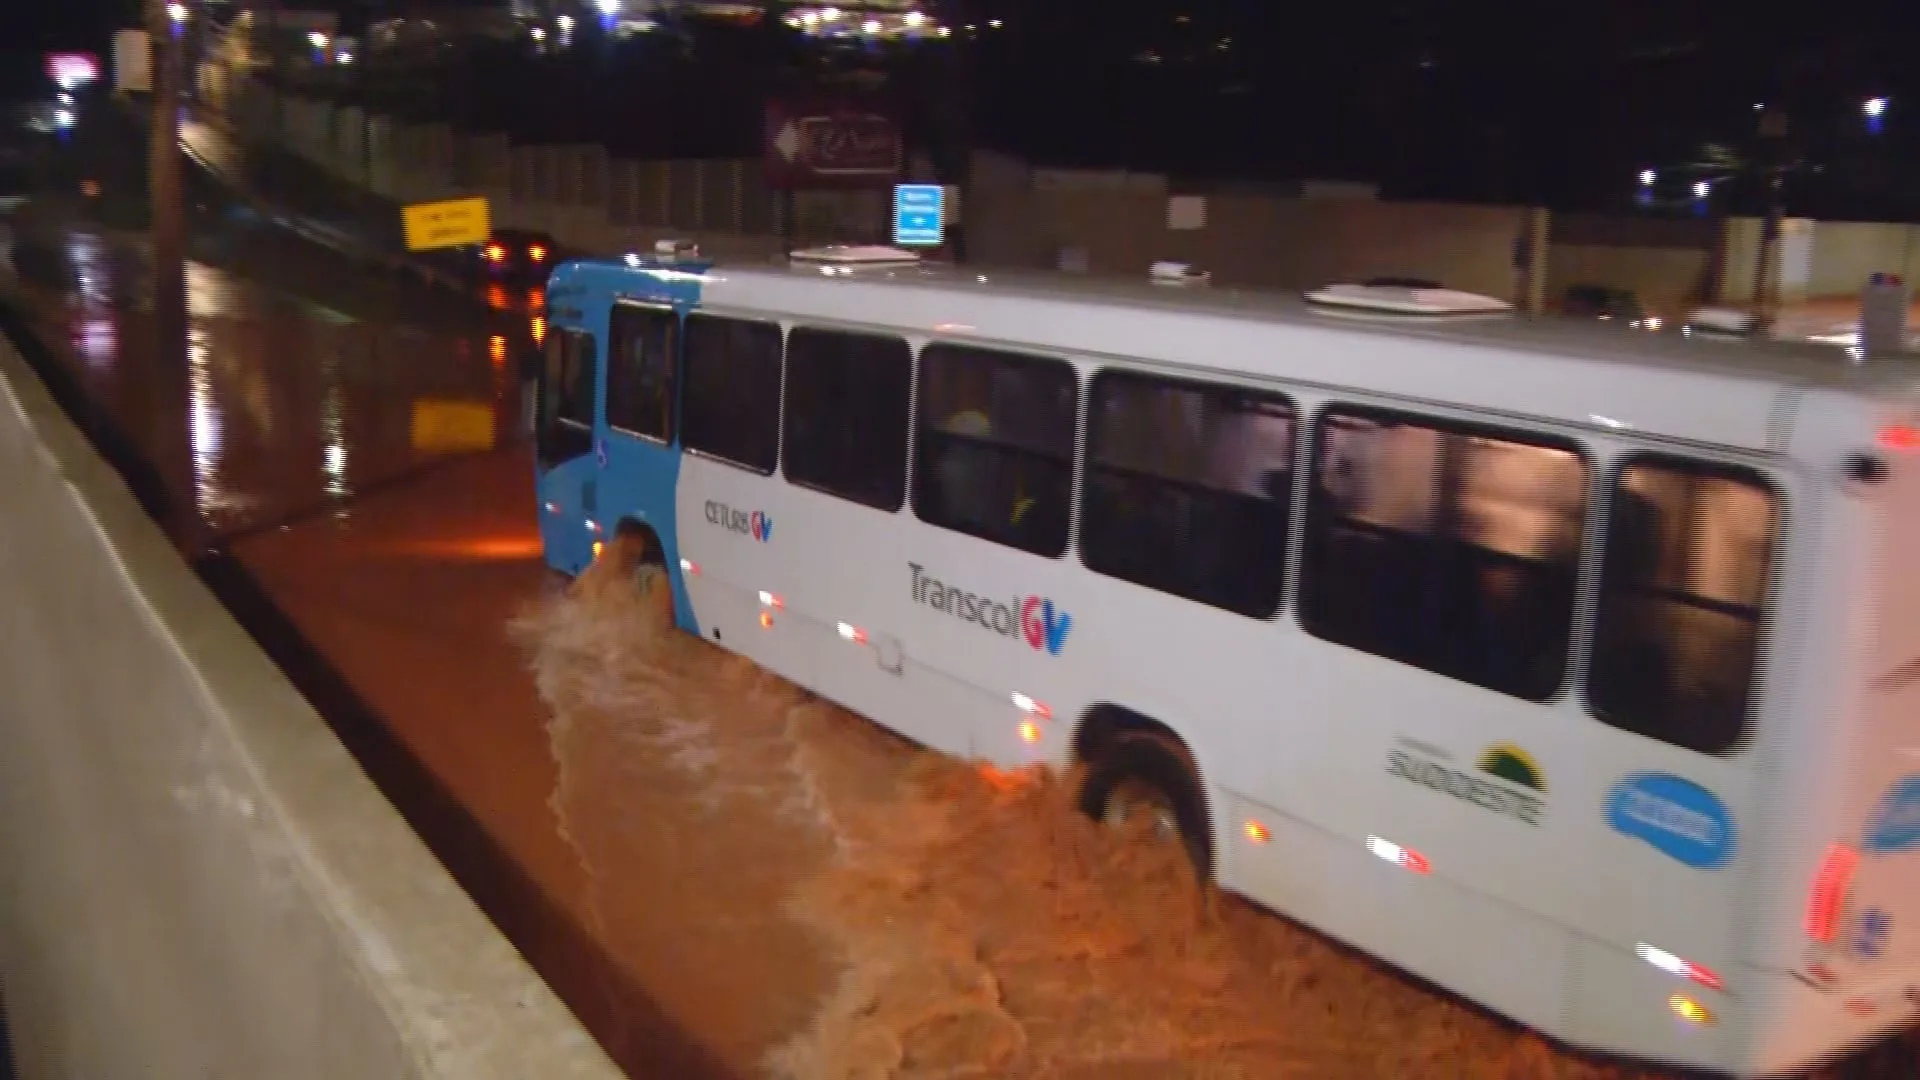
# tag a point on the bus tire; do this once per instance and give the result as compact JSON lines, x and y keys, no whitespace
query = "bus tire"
{"x":641,"y":549}
{"x":1144,"y":771}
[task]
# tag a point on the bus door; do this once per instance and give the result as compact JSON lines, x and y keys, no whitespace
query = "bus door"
{"x":565,"y":465}
{"x":642,"y":414}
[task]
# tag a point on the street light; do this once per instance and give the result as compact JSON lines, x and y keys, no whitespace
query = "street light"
{"x":1876,"y":111}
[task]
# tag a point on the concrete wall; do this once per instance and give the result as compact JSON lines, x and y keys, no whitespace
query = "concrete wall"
{"x":1288,"y":243}
{"x":1098,"y":222}
{"x":1016,"y":216}
{"x":196,"y":880}
{"x":1847,"y":253}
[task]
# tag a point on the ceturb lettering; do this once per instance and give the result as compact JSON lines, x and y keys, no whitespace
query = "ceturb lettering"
{"x":719,"y":513}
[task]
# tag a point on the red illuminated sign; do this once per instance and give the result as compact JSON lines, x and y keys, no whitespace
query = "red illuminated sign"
{"x":826,"y":146}
{"x":69,"y":70}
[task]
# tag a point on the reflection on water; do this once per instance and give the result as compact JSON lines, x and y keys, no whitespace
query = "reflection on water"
{"x":98,"y":343}
{"x":206,"y":430}
{"x":333,"y":428}
{"x":256,"y":354}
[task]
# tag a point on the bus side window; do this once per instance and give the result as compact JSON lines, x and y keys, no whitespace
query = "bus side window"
{"x":641,"y":357}
{"x":569,"y":379}
{"x":1677,"y":629}
{"x":730,"y":391}
{"x":1188,"y":487}
{"x":844,"y":430}
{"x":1445,"y":547}
{"x":993,"y":445}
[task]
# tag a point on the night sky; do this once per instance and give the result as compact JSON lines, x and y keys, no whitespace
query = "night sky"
{"x":1486,"y":100}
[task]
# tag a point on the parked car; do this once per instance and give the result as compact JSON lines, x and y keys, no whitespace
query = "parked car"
{"x":1607,"y":304}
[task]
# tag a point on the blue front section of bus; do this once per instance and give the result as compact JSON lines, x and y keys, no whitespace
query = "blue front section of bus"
{"x":639,"y":478}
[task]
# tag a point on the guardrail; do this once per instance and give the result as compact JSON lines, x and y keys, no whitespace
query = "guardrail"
{"x":318,"y":232}
{"x":335,"y":239}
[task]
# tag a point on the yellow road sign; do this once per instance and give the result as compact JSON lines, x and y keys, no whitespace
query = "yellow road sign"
{"x":451,"y":427}
{"x":446,"y":224}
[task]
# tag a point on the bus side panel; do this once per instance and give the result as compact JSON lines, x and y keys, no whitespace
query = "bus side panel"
{"x":1875,"y":953}
{"x":1846,"y":956}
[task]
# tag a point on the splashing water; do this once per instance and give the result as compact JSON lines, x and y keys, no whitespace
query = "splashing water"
{"x":857,"y":909}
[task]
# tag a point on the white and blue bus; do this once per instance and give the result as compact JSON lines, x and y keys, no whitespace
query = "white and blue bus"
{"x":1574,"y":669}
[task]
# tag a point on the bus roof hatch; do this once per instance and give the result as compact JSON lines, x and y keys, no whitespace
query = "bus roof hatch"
{"x":1403,"y":302}
{"x":855,"y":255}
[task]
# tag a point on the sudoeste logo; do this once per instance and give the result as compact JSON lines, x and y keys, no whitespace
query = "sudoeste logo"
{"x":1677,"y":817}
{"x":1035,"y":618}
{"x":757,"y":524}
{"x":1521,"y":795}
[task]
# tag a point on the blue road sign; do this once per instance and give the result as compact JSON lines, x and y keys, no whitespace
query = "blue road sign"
{"x":918,"y":210}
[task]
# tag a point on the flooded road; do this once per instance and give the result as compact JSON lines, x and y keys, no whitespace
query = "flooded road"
{"x":723,"y":876}
{"x":287,"y":405}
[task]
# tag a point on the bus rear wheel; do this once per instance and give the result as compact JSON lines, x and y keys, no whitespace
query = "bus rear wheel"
{"x":1144,"y":775}
{"x":639,"y":550}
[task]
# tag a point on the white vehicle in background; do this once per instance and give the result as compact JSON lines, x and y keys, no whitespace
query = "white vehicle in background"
{"x":1576,"y":672}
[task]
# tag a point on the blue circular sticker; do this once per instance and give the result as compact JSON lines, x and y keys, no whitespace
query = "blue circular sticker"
{"x":1677,"y":817}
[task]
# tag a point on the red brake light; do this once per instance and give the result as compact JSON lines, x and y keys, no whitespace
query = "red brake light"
{"x":496,"y":253}
{"x":1830,"y":891}
{"x":537,"y":252}
{"x":1900,"y":437}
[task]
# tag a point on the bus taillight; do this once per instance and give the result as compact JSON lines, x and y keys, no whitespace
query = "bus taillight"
{"x":1900,"y":437}
{"x":852,"y":633}
{"x":496,"y":253}
{"x":688,"y":566}
{"x":1830,"y":891}
{"x":1029,"y":731}
{"x":768,"y":599}
{"x":537,"y":253}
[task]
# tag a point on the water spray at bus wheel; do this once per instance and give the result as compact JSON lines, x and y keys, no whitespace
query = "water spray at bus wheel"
{"x":974,"y":922}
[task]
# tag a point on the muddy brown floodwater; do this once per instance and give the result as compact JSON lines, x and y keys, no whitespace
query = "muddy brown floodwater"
{"x":871,"y":910}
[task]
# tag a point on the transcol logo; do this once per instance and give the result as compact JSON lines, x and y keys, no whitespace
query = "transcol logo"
{"x":1034,"y":618}
{"x":757,"y":524}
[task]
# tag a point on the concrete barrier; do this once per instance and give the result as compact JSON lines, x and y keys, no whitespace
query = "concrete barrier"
{"x":196,"y":879}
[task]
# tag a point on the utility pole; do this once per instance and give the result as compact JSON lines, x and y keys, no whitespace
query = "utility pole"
{"x":953,"y":115}
{"x":167,"y":231}
{"x":1773,"y":168}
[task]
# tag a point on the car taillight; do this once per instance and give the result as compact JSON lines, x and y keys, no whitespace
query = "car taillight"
{"x":537,"y":253}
